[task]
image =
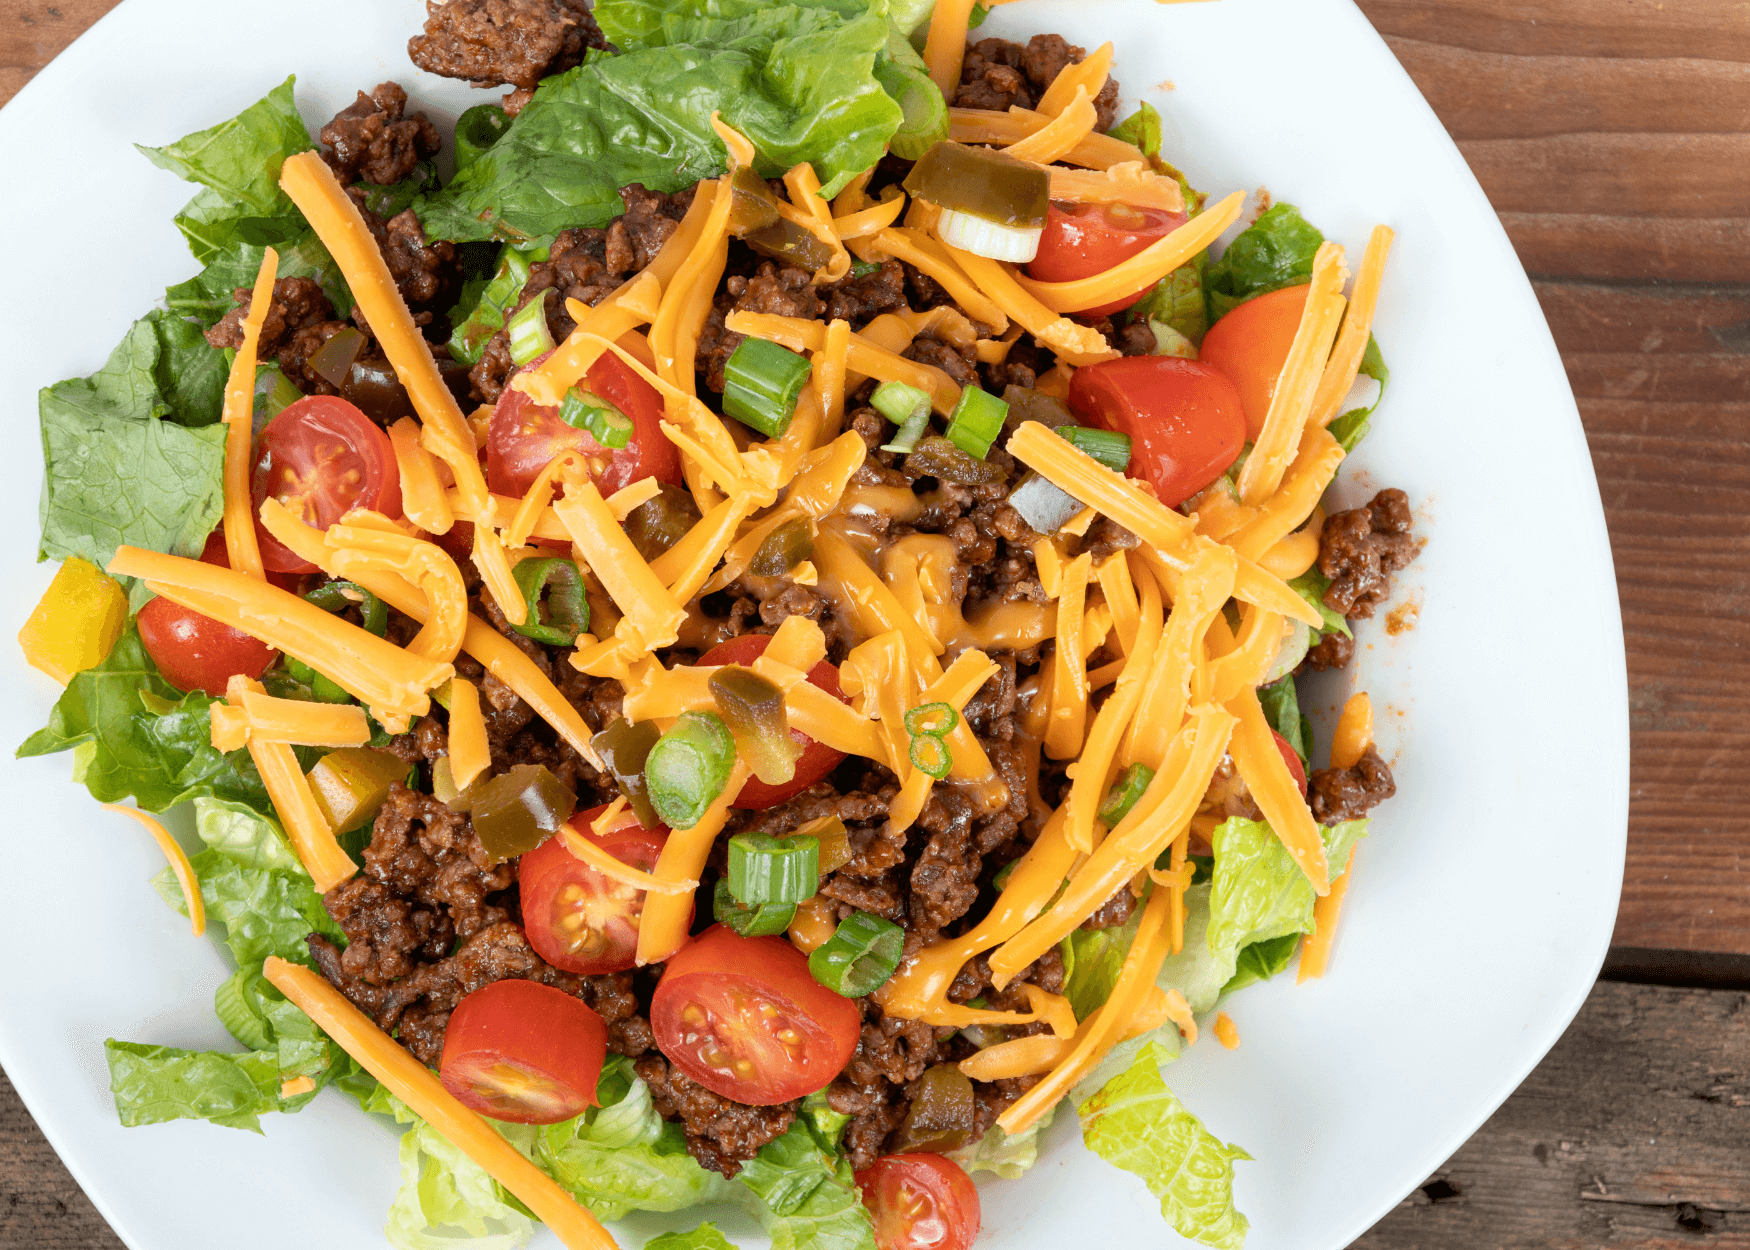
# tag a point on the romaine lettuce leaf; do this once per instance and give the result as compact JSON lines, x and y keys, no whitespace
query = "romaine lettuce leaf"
{"x":1275,"y":251}
{"x":447,"y":1201}
{"x":153,"y":1084}
{"x":831,"y":1217}
{"x":998,"y":1152}
{"x":1281,"y":703}
{"x":1175,"y":307}
{"x":265,"y":911}
{"x":1311,"y":586}
{"x":1258,"y":892}
{"x":1092,"y":960}
{"x":244,"y":834}
{"x":1352,"y":426}
{"x":1262,"y":960}
{"x":209,"y":295}
{"x":1134,"y":1122}
{"x":704,"y":1237}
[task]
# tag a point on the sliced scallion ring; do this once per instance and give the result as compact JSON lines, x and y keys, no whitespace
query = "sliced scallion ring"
{"x":976,"y":421}
{"x":530,"y":338}
{"x":1124,"y":793}
{"x":1109,"y":447}
{"x":908,"y":408}
{"x":595,"y":416}
{"x":563,"y":614}
{"x":970,"y":233}
{"x":750,"y":919}
{"x":688,"y":767}
{"x":764,"y":869}
{"x":860,"y":956}
{"x":761,"y":384}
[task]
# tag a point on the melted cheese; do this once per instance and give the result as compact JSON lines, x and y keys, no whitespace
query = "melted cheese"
{"x":1345,"y":362}
{"x":925,"y":254}
{"x":1078,"y":473}
{"x":987,"y":126}
{"x":423,"y":498}
{"x":629,"y":581}
{"x":1301,"y":490}
{"x":829,"y":375}
{"x":1088,"y":75}
{"x":1143,"y":270}
{"x":1131,"y":183}
{"x":242,"y":549}
{"x":1275,"y":791}
{"x":1076,"y":343}
{"x":417,"y":1086}
{"x":662,"y":929}
{"x":180,"y":868}
{"x":470,"y":755}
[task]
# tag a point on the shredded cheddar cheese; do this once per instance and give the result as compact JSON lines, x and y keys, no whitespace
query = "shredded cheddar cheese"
{"x":618,"y":870}
{"x":629,"y":581}
{"x":1354,"y":732}
{"x":663,"y":926}
{"x":1074,"y":342}
{"x":1067,"y":724}
{"x":1345,"y":362}
{"x":423,"y":497}
{"x":1087,"y":75}
{"x":180,"y":868}
{"x":242,"y":549}
{"x":945,"y":45}
{"x":925,"y":254}
{"x":1275,"y":791}
{"x":470,"y":755}
{"x":1315,"y":951}
{"x":259,"y":717}
{"x":1080,"y":475}
{"x":1095,"y":151}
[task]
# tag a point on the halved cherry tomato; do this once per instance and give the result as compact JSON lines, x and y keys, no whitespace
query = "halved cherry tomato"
{"x":322,"y":458}
{"x":1184,"y":418}
{"x":524,"y":1052}
{"x":524,"y":436}
{"x":816,"y":760}
{"x":1296,"y":769}
{"x":195,"y":652}
{"x":920,"y":1202}
{"x":1081,"y":240}
{"x":744,"y":1018}
{"x":1250,"y":344}
{"x":578,"y":919}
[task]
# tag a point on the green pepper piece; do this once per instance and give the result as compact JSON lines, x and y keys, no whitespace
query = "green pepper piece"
{"x":941,"y":1116}
{"x":983,"y":183}
{"x":516,"y":810}
{"x":788,"y":242}
{"x":624,"y":746}
{"x":1124,"y":794}
{"x":753,"y":708}
{"x":938,"y":457}
{"x":752,"y":207}
{"x":339,"y":596}
{"x":785,"y":547}
{"x":564,"y":614}
{"x":661,"y":521}
{"x":350,"y":785}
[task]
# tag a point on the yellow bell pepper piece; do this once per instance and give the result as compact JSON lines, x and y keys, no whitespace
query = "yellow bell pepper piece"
{"x":76,"y":622}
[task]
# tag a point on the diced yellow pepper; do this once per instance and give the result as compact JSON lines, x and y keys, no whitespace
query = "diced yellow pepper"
{"x":76,"y":622}
{"x":350,"y":785}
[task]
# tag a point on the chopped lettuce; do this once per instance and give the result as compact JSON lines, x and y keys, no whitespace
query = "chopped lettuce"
{"x":1262,"y":960}
{"x":800,"y":1189}
{"x":1175,"y":310}
{"x":998,"y":1152}
{"x":243,"y":834}
{"x":1134,"y":1122}
{"x":153,"y":1084}
{"x":1259,"y":892}
{"x":1141,"y":129}
{"x":1352,"y":426}
{"x":1311,"y":586}
{"x":446,"y":1200}
{"x":1275,"y":251}
{"x":1092,"y":960}
{"x":265,"y":911}
{"x":1281,"y":703}
{"x":704,"y":1237}
{"x":209,"y":295}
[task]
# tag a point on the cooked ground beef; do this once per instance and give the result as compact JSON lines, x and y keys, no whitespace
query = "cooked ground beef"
{"x":1000,"y":75}
{"x":1339,"y":794}
{"x":299,"y":307}
{"x":1330,"y":651}
{"x":786,"y":292}
{"x":1361,"y":548}
{"x":370,"y":139}
{"x":859,"y":300}
{"x":1113,"y":912}
{"x":721,"y":1134}
{"x":504,"y":42}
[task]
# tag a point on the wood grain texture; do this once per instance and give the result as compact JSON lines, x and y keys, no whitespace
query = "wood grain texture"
{"x":41,"y":1208}
{"x":32,"y":33}
{"x":1633,"y":1132}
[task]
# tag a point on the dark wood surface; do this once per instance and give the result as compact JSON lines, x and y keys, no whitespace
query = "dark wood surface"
{"x":1613,"y":137}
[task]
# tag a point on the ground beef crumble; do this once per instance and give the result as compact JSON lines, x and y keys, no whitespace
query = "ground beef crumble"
{"x":1361,"y":548}
{"x":1001,"y":75}
{"x":504,"y":42}
{"x":370,"y":139}
{"x":1339,"y":794}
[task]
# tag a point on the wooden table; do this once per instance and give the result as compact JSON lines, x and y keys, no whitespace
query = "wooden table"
{"x":1613,"y":136}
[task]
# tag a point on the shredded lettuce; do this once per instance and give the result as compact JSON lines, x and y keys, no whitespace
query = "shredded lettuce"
{"x":1259,"y":892}
{"x":1092,"y":960}
{"x":1262,"y":960}
{"x":243,"y":834}
{"x":1311,"y":586}
{"x":1134,"y":1122}
{"x":800,"y":1189}
{"x":704,"y":1237}
{"x":265,"y":911}
{"x":1352,"y":426}
{"x":446,"y":1200}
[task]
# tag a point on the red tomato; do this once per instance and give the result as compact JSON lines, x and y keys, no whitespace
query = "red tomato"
{"x":1184,"y":418}
{"x":322,"y":458}
{"x":816,"y":761}
{"x":1081,"y":240}
{"x":1296,"y":769}
{"x":524,"y":437}
{"x":1249,"y":346}
{"x":920,"y":1202}
{"x":744,"y":1018}
{"x":524,"y":1052}
{"x":577,"y":918}
{"x":195,"y":652}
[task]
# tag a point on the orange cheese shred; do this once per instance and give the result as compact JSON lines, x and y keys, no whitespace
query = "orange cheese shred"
{"x":1275,"y":791}
{"x":296,"y":1087}
{"x":365,"y":540}
{"x":1315,"y":952}
{"x":663,"y":926}
{"x":470,"y":755}
{"x":259,"y":717}
{"x":1302,"y":488}
{"x":1068,"y":721}
{"x":423,"y":497}
{"x":1345,"y":362}
{"x":924,"y":253}
{"x":417,"y":1086}
{"x":1131,"y":183}
{"x":1354,"y":732}
{"x":242,"y":549}
{"x":1198,"y":598}
{"x":1095,"y":151}
{"x":623,"y":573}
{"x":1076,"y":343}
{"x":1089,"y":75}
{"x":813,"y":214}
{"x":1054,"y":140}
{"x":180,"y":868}
{"x":1242,"y":668}
{"x":866,"y":221}
{"x":945,"y":45}
{"x":829,"y":375}
{"x":629,"y":306}
{"x":1079,"y":474}
{"x":493,"y":561}
{"x":618,"y":870}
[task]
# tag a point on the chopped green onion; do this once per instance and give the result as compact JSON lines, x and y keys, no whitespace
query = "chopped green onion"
{"x":322,"y":690}
{"x":624,"y":746}
{"x":931,"y":755}
{"x":972,"y":233}
{"x":595,"y":416}
{"x":784,"y":548}
{"x":863,"y":268}
{"x":753,"y":708}
{"x":976,"y":421}
{"x":688,"y":768}
{"x":908,"y":408}
{"x":1001,"y":880}
{"x":469,"y":341}
{"x":761,"y":382}
{"x":339,"y":596}
{"x":1109,"y":447}
{"x":1124,"y":793}
{"x":530,"y":339}
{"x":860,"y":956}
{"x":931,"y":720}
{"x":750,"y":919}
{"x":565,"y":614}
{"x":764,"y":869}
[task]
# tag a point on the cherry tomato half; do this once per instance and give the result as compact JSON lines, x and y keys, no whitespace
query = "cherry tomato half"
{"x":524,"y":1052}
{"x":816,"y":760}
{"x":920,"y":1202}
{"x":1081,"y":240}
{"x":322,"y":458}
{"x":744,"y":1018}
{"x":524,"y":436}
{"x":195,"y":652}
{"x":1296,"y":769}
{"x":1251,"y":343}
{"x":1184,"y":418}
{"x":577,"y":918}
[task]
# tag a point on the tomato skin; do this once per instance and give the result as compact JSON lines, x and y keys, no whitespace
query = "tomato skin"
{"x":195,"y":652}
{"x":322,"y":458}
{"x":556,"y":887}
{"x":1081,"y":240}
{"x":525,"y":437}
{"x":1296,"y":769}
{"x":1251,"y":343}
{"x":523,"y":1052}
{"x":816,"y":761}
{"x":920,"y":1202}
{"x":712,"y":1001}
{"x":1184,"y":418}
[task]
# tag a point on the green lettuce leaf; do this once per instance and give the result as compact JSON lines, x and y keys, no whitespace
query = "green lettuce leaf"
{"x":704,"y":1237}
{"x":831,"y":1217}
{"x":209,"y":295}
{"x":1275,"y":251}
{"x":1134,"y":1122}
{"x":1258,"y":892}
{"x":154,"y":1084}
{"x":1311,"y":586}
{"x":998,"y":1152}
{"x":265,"y":911}
{"x":1262,"y":960}
{"x":243,"y":834}
{"x":789,"y":1169}
{"x":1092,"y":960}
{"x":144,"y":738}
{"x":447,"y":1201}
{"x":1175,"y":310}
{"x":1352,"y":426}
{"x":1281,"y":703}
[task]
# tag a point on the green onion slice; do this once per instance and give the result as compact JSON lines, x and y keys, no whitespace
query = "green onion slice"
{"x":931,"y":755}
{"x":976,"y":421}
{"x":931,"y":720}
{"x":753,"y":708}
{"x":1109,"y":447}
{"x":688,"y":768}
{"x":908,"y":408}
{"x":468,"y":342}
{"x":339,"y":596}
{"x":557,"y":621}
{"x":761,"y":384}
{"x":860,"y":956}
{"x":750,"y":919}
{"x":322,"y":690}
{"x":1124,"y":793}
{"x":765,"y":869}
{"x":530,"y":338}
{"x":595,"y":416}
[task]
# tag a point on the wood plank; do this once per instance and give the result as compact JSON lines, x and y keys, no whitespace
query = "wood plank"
{"x":41,"y":1208}
{"x":1631,"y":1133}
{"x":36,"y":31}
{"x":1708,"y":29}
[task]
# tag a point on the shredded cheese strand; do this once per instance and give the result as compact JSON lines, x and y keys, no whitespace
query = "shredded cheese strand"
{"x":626,"y":308}
{"x":180,"y":868}
{"x":1302,"y":488}
{"x":1354,"y":732}
{"x":1088,"y":75}
{"x":987,"y":126}
{"x":1244,"y":667}
{"x":1275,"y":791}
{"x":945,"y":45}
{"x":1345,"y":362}
{"x":925,"y":254}
{"x":1076,"y":343}
{"x":619,"y":870}
{"x":423,"y":497}
{"x":662,"y":929}
{"x":242,"y":548}
{"x":829,"y":376}
{"x":1067,"y":724}
{"x":1130,"y":182}
{"x":1315,"y":952}
{"x":1058,"y":137}
{"x":813,"y":214}
{"x":470,"y":754}
{"x":1198,"y":598}
{"x":629,"y":581}
{"x":1079,"y":474}
{"x":260,"y":717}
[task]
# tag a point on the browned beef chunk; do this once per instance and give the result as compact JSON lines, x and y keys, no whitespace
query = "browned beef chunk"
{"x":721,"y":1134}
{"x":961,"y":366}
{"x":1330,"y":651}
{"x":1361,"y":548}
{"x":861,"y":300}
{"x":370,"y":139}
{"x":1339,"y":794}
{"x":504,"y":42}
{"x":786,"y":292}
{"x":999,"y":75}
{"x":298,"y":304}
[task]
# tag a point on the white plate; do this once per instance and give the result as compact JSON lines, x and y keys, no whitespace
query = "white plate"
{"x":1484,"y":899}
